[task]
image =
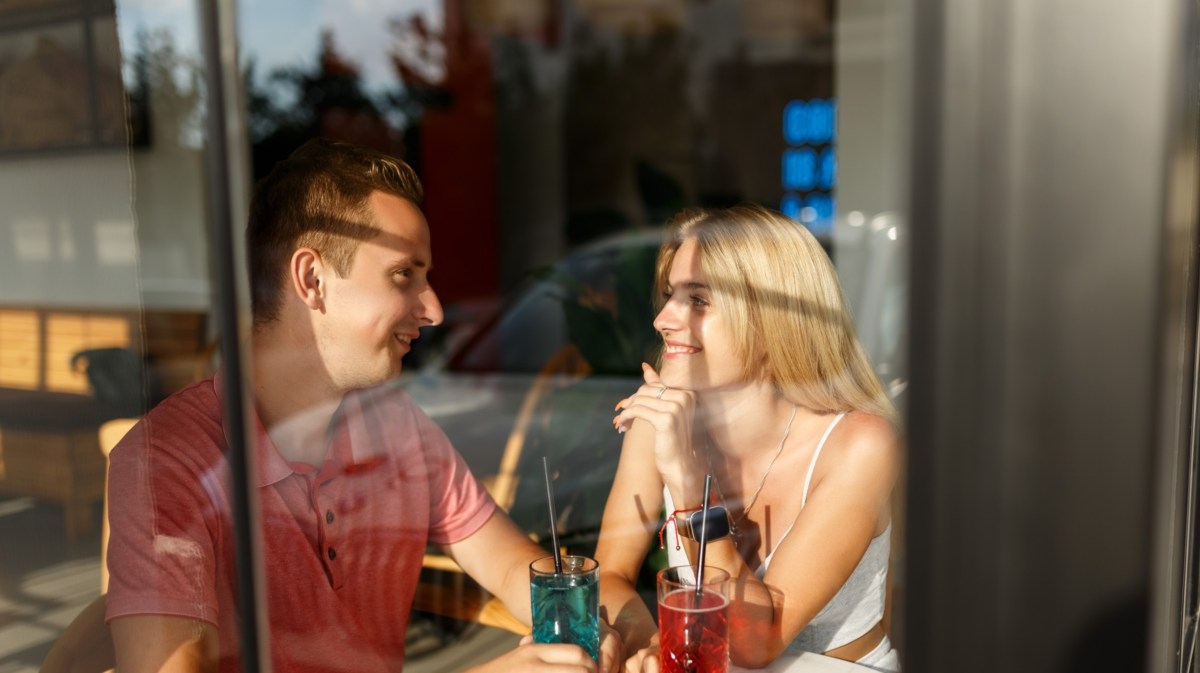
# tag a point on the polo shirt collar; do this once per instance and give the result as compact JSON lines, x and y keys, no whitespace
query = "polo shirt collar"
{"x":271,"y":466}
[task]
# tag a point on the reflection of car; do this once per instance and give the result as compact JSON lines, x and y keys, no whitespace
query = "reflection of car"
{"x":540,"y":378}
{"x":540,"y":375}
{"x":871,"y":259}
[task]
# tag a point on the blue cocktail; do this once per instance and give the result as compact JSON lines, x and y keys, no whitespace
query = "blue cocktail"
{"x":566,"y":607}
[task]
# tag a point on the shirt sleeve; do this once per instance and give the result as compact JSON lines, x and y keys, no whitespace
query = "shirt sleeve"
{"x":458,"y":504}
{"x":165,"y":523}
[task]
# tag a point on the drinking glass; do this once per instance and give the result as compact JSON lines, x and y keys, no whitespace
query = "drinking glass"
{"x":693,"y":629}
{"x":566,"y":607}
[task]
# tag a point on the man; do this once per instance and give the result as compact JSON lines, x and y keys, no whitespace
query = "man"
{"x":353,"y":479}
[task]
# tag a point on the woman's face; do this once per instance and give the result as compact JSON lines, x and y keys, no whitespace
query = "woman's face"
{"x":698,"y":348}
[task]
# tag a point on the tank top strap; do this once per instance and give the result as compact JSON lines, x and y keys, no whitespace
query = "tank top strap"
{"x":812,"y":464}
{"x":762,"y":569}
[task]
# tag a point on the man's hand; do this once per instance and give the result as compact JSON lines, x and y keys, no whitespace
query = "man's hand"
{"x":540,"y":658}
{"x":554,"y":658}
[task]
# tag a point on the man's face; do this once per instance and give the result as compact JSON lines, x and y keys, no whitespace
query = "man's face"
{"x":371,"y":316}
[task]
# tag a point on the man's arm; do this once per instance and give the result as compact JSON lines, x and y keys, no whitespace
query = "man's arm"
{"x":160,"y":644}
{"x":497,"y":556}
{"x":86,"y":643}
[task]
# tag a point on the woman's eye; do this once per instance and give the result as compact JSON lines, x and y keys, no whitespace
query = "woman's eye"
{"x":697,"y":300}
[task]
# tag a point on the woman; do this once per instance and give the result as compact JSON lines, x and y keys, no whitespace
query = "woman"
{"x":764,"y":385}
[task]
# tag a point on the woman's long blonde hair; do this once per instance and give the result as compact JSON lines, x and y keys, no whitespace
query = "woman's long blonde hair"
{"x":778,"y":287}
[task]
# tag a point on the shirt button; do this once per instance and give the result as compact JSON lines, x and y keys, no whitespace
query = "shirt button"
{"x":329,"y":516}
{"x":332,"y":553}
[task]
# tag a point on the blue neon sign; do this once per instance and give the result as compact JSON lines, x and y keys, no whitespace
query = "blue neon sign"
{"x":811,"y":122}
{"x":809,"y":163}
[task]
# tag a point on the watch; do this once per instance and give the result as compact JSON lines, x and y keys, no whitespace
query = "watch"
{"x":688,"y":524}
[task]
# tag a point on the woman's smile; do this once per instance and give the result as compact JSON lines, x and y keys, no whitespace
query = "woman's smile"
{"x":676,"y":349}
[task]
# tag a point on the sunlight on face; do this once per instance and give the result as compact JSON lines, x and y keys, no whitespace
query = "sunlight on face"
{"x":373,"y":314}
{"x":698,"y":346}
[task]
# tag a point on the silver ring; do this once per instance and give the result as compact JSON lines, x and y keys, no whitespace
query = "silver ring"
{"x":661,"y":391}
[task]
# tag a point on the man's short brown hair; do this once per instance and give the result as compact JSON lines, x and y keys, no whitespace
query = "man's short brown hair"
{"x":317,"y":198}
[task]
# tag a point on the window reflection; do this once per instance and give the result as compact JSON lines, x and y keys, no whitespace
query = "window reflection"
{"x":103,"y":283}
{"x":554,"y":138}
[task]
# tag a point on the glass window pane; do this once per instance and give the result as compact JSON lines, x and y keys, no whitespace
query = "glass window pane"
{"x":553,"y":140}
{"x":104,"y":293}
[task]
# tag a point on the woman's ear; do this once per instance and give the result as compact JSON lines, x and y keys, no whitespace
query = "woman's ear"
{"x":306,"y":273}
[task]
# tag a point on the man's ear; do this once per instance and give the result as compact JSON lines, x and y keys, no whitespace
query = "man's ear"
{"x":306,"y":273}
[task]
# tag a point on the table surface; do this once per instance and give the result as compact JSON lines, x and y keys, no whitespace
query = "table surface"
{"x":806,"y":662}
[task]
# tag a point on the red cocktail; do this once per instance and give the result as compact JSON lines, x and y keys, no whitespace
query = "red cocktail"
{"x":693,"y":631}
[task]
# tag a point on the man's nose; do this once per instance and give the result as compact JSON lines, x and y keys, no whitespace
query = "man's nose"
{"x":431,"y":308}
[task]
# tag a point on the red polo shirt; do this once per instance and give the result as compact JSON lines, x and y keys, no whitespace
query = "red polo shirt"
{"x":343,"y":542}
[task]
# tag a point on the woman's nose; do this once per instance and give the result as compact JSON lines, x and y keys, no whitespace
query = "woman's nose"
{"x":667,"y":320}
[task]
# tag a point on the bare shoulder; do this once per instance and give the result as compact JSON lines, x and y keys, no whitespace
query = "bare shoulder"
{"x":861,"y":427}
{"x":864,"y":441}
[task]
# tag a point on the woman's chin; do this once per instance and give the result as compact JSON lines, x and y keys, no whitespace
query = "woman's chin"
{"x":676,"y":380}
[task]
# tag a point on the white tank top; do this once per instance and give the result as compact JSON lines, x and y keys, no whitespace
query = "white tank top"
{"x":855,"y":608}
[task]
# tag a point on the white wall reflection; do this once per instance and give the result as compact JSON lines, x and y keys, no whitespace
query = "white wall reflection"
{"x":68,"y":231}
{"x":32,"y":240}
{"x":116,"y":244}
{"x":66,"y":241}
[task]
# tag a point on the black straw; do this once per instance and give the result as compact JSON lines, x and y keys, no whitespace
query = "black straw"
{"x":553,"y":518}
{"x":703,"y":536}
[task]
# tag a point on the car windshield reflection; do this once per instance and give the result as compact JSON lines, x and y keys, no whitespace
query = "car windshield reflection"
{"x":539,"y":377}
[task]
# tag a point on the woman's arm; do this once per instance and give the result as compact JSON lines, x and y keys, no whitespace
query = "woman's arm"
{"x":630,"y":521}
{"x":848,"y":504}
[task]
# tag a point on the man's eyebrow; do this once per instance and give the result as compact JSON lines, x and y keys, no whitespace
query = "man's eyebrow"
{"x":409,"y":261}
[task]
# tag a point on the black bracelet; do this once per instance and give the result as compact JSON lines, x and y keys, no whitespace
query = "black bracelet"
{"x":688,"y":524}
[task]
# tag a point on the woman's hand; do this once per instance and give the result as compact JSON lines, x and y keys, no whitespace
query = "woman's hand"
{"x":671,"y":412}
{"x":610,"y":649}
{"x":644,"y":660}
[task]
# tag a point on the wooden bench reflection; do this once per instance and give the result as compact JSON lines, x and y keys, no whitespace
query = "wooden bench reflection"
{"x":49,"y":448}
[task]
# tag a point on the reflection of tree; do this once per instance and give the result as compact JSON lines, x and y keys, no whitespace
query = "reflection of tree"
{"x":328,"y":100}
{"x":420,"y":59}
{"x":164,"y":92}
{"x":627,"y":106}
